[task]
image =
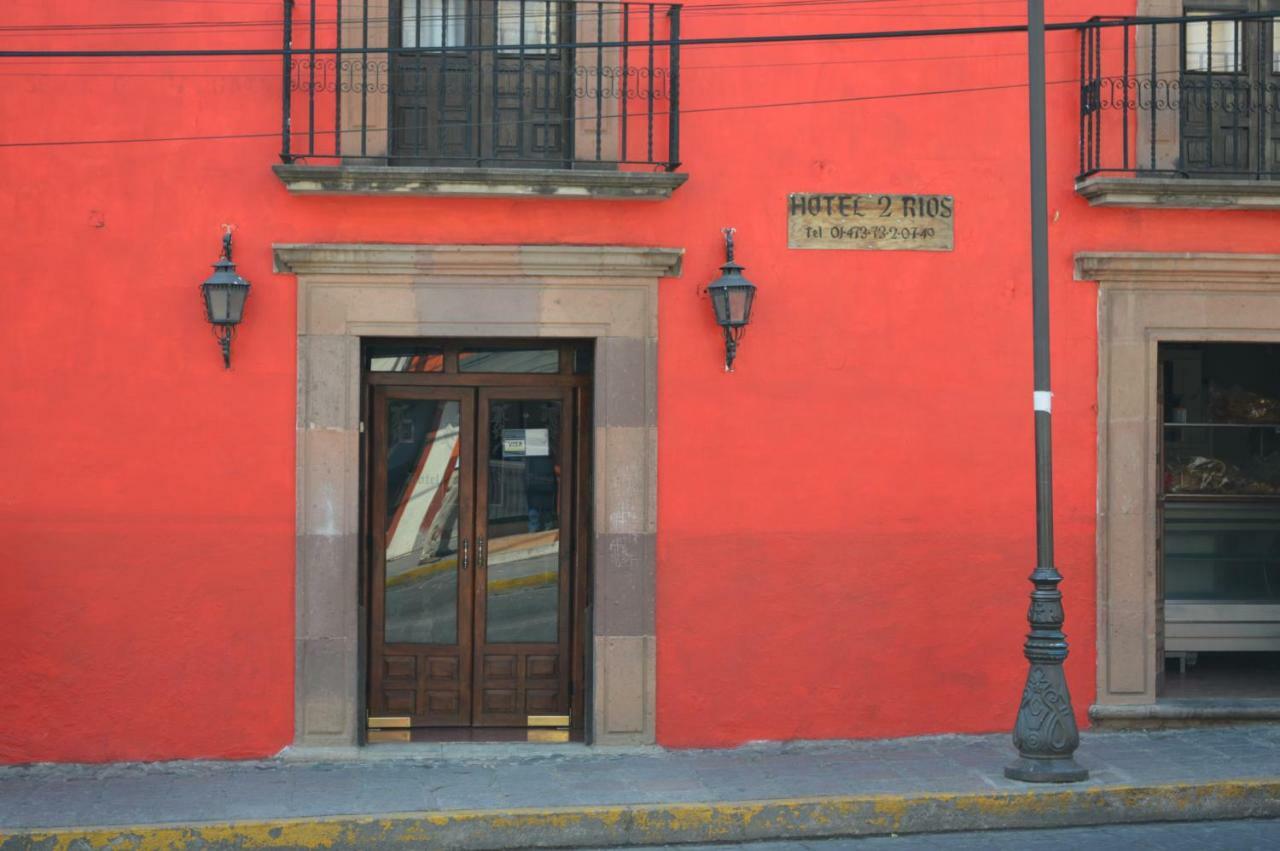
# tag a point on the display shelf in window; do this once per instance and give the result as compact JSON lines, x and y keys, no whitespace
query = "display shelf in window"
{"x":1222,"y":551}
{"x":1222,"y":458}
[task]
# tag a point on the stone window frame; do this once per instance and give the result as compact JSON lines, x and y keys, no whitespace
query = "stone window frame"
{"x":605,"y":293}
{"x":1209,"y":193}
{"x":1145,"y":299}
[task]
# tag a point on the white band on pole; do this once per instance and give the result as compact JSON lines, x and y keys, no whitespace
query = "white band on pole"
{"x":1043,"y":401}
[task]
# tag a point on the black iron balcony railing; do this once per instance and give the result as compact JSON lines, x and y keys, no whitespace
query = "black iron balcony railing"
{"x":574,"y":84}
{"x":1189,"y":98}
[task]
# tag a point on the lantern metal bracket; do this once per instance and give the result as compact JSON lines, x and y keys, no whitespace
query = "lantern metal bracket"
{"x":224,"y":333}
{"x":731,"y":335}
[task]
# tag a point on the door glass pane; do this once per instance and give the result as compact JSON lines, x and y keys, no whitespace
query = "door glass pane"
{"x":510,"y":360}
{"x":1275,"y":47}
{"x":423,"y":473}
{"x":523,"y":523}
{"x":582,"y":359}
{"x":405,"y":358}
{"x":539,"y":18}
{"x":424,"y":23}
{"x":1213,"y":45}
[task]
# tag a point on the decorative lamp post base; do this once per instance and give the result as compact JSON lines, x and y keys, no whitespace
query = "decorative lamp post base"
{"x":1045,"y":733}
{"x":1053,"y":770}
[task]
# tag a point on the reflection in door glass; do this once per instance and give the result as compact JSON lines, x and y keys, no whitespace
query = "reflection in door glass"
{"x":423,"y":473}
{"x":523,"y":523}
{"x":546,"y":361}
{"x":399,"y":357}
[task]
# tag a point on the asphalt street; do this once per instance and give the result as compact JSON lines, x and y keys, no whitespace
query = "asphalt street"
{"x":1252,"y":835}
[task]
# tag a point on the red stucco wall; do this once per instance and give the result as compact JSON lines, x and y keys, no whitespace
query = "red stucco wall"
{"x":845,"y":523}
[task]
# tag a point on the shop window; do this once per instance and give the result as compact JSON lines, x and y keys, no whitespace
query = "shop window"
{"x":1220,"y":517}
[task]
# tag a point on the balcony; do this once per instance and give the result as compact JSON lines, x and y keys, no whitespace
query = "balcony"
{"x":499,"y":98}
{"x":1183,"y":114}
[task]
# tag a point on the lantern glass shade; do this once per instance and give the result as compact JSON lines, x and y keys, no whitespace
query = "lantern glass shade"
{"x":731,"y":297}
{"x":224,"y":296}
{"x":225,"y":302}
{"x":740,"y":304}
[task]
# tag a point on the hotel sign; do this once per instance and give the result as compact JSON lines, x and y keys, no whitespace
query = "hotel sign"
{"x":870,"y":222}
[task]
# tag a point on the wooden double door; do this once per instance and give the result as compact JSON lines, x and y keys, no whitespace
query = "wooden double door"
{"x":475,"y":520}
{"x":1230,"y":90}
{"x":481,"y":82}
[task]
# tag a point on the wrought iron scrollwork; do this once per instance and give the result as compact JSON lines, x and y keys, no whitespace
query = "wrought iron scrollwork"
{"x":347,"y":89}
{"x":616,"y":81}
{"x":1154,"y":100}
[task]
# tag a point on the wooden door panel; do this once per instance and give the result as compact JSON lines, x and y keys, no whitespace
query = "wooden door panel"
{"x":1218,"y":123}
{"x":525,"y":511}
{"x":529,"y":107}
{"x":421,"y":517}
{"x":432,"y":106}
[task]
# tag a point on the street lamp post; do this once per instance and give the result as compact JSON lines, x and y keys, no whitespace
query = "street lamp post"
{"x":1045,"y":733}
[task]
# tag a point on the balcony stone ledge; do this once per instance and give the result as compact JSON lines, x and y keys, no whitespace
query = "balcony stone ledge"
{"x":1179,"y":193}
{"x":583,"y":184}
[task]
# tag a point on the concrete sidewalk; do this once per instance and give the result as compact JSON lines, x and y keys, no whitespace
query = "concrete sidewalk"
{"x":505,"y":796}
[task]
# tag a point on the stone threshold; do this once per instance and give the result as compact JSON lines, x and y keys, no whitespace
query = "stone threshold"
{"x":460,"y":752}
{"x":1179,"y":193}
{"x":302,"y":179}
{"x":1213,"y":710}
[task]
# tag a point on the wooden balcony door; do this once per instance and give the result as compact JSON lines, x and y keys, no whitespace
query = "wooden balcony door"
{"x":1229,"y":88}
{"x":484,"y":83}
{"x":474,"y":518}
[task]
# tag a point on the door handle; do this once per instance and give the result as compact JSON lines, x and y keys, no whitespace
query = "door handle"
{"x":465,"y":555}
{"x":480,"y":553}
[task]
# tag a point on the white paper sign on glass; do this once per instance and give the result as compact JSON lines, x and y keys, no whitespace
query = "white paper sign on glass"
{"x":537,"y":442}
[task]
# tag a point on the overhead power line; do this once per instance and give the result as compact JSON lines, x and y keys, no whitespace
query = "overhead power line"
{"x":800,"y":63}
{"x":683,"y":42}
{"x":870,"y":8}
{"x":52,"y":143}
{"x":797,"y":38}
{"x":612,"y":8}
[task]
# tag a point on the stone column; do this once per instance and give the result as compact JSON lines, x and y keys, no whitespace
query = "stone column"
{"x":365,"y":80}
{"x":1154,"y":89}
{"x":597,"y":71}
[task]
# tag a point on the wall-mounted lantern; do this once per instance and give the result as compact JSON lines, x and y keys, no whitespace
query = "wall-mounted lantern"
{"x":731,"y":297}
{"x":224,"y":296}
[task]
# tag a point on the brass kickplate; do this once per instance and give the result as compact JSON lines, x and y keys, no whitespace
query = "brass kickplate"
{"x":545,"y":735}
{"x":548,"y":721}
{"x":385,"y":721}
{"x":379,"y":736}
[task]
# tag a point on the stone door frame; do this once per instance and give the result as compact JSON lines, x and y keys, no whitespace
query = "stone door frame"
{"x":346,"y":292}
{"x":1145,"y":299}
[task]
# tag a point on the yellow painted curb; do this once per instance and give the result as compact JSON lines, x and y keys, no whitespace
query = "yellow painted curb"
{"x":656,"y":824}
